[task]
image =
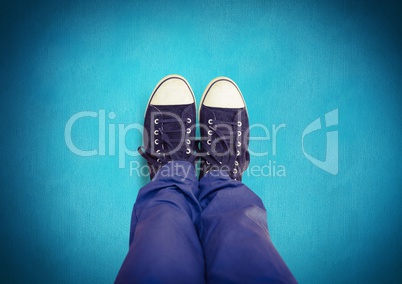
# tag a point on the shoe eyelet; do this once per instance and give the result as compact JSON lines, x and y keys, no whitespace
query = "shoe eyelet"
{"x":158,"y":151}
{"x":209,"y":132}
{"x":156,"y":132}
{"x":188,"y":141}
{"x":235,"y":171}
{"x":236,"y":163}
{"x":188,"y":151}
{"x":156,"y":142}
{"x":209,"y":142}
{"x":208,"y":163}
{"x":239,"y":123}
{"x":210,"y":121}
{"x":238,"y":133}
{"x":238,"y":144}
{"x":158,"y":160}
{"x":188,"y":120}
{"x":208,"y":153}
{"x":238,"y":153}
{"x":156,"y":121}
{"x":188,"y":131}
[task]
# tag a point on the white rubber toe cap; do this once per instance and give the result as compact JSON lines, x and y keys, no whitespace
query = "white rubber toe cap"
{"x":223,"y":92}
{"x":172,"y":90}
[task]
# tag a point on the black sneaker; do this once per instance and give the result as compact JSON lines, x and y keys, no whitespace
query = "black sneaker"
{"x":224,"y":129}
{"x":169,"y":125}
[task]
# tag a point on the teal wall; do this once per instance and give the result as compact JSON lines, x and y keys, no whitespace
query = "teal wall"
{"x":65,"y":218}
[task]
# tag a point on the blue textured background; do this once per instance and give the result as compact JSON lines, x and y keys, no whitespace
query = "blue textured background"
{"x":65,"y":218}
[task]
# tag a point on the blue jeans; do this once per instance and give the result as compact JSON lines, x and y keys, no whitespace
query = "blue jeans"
{"x":208,"y":231}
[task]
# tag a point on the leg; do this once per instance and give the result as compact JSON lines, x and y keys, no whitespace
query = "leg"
{"x":164,"y":246}
{"x":234,"y":234}
{"x":233,"y":225}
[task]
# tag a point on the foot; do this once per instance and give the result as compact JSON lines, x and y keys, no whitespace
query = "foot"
{"x":169,"y":125}
{"x":224,"y":129}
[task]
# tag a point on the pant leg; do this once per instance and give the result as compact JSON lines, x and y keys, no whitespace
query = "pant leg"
{"x":234,"y":234}
{"x":164,"y":245}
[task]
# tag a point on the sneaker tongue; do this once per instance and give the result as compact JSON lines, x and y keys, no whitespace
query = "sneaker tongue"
{"x":176,"y":109}
{"x":178,"y":114}
{"x":229,"y":115}
{"x":226,"y":114}
{"x":173,"y":112}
